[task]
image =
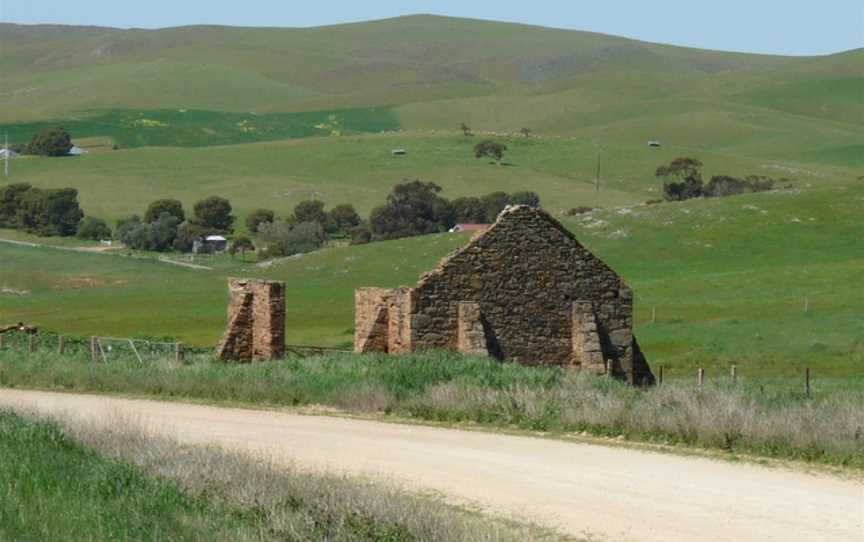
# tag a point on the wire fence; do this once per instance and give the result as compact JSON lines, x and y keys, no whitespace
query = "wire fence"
{"x":801,"y":379}
{"x":116,"y":349}
{"x":96,"y":349}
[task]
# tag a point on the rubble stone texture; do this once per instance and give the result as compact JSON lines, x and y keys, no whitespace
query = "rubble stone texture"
{"x":524,"y":290}
{"x":256,"y":321}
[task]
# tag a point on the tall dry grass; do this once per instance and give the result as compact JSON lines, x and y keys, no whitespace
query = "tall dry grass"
{"x":288,"y":503}
{"x":764,"y":417}
{"x":724,"y":416}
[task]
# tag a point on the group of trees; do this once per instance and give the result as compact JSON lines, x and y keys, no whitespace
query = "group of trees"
{"x":50,"y":142}
{"x":417,"y":208}
{"x":40,"y":211}
{"x":47,"y":142}
{"x":308,"y":228}
{"x":683,"y":180}
{"x":165,"y":226}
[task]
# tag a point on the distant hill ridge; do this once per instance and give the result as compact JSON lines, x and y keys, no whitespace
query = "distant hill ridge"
{"x":52,"y":70}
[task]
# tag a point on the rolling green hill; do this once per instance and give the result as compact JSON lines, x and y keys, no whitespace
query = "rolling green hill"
{"x":717,"y":282}
{"x":269,"y":117}
{"x":51,"y":71}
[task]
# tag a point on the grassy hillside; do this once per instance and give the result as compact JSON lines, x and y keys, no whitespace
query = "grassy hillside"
{"x":361,"y":170}
{"x":581,"y":93}
{"x":717,"y":282}
{"x":270,"y":117}
{"x":51,"y":69}
{"x":185,"y":128}
{"x":51,"y":72}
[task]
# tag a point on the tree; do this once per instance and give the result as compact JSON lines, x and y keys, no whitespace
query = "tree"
{"x":310,"y":211}
{"x":50,"y":142}
{"x":93,"y":228}
{"x":525,"y":198}
{"x":49,"y":212}
{"x":163,"y":232}
{"x":723,"y":185}
{"x":466,"y":130}
{"x":412,"y":208}
{"x":188,"y":233}
{"x":526,"y":132}
{"x":282,"y":239}
{"x":493,"y":204}
{"x":241,"y":244}
{"x":124,"y":226}
{"x":159,"y":235}
{"x":258,"y":217}
{"x":360,"y":236}
{"x":344,"y":218}
{"x":10,"y":201}
{"x":468,"y":210}
{"x":171,"y":206}
{"x":214,"y":213}
{"x":688,"y":173}
{"x":491,"y":149}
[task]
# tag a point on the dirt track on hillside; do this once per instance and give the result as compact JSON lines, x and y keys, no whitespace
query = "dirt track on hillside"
{"x":618,"y":493}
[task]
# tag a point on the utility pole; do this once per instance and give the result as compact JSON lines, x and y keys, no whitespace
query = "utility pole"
{"x":6,"y":156}
{"x":597,"y":176}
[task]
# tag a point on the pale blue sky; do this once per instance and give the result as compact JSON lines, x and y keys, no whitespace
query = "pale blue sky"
{"x":794,"y":27}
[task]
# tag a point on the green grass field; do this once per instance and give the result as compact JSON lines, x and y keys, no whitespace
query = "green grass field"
{"x":185,"y":128}
{"x":53,"y":488}
{"x":361,"y":170}
{"x":717,"y":281}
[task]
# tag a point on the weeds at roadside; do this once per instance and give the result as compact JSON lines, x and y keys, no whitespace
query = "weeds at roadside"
{"x":91,"y":480}
{"x":444,"y":387}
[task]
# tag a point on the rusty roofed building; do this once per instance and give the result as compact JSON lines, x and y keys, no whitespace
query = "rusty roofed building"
{"x":524,"y":289}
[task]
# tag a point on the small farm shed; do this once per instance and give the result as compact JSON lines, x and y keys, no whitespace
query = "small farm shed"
{"x":210,"y":244}
{"x":398,"y":152}
{"x":654,"y":144}
{"x":524,"y":289}
{"x":8,"y":153}
{"x":77,"y":151}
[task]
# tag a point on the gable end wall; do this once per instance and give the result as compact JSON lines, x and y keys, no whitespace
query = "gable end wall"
{"x":525,"y":273}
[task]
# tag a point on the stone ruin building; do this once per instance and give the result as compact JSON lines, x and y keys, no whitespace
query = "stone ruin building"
{"x":256,"y":321}
{"x":524,"y":290}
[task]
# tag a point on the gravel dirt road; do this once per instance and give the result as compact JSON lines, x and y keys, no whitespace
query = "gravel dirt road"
{"x":614,"y":492}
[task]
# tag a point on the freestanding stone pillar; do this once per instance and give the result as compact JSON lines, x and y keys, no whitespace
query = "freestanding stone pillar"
{"x":256,"y":321}
{"x":587,"y":350}
{"x":471,"y":337}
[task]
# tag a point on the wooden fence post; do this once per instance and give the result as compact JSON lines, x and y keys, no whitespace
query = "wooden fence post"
{"x":1,"y":340}
{"x":94,"y":357}
{"x":30,"y":343}
{"x":700,"y":378}
{"x":179,"y":353}
{"x":807,"y":381}
{"x":734,"y":373}
{"x":61,"y":344}
{"x":660,"y":376}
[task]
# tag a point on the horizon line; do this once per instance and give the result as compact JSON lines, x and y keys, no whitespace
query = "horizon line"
{"x":427,"y":15}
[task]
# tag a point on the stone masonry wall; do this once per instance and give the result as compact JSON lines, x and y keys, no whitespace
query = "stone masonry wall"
{"x":526,"y":290}
{"x":525,"y":272}
{"x":256,"y":321}
{"x":382,"y":319}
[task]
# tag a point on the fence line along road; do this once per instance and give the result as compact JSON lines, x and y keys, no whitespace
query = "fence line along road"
{"x":104,"y":349}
